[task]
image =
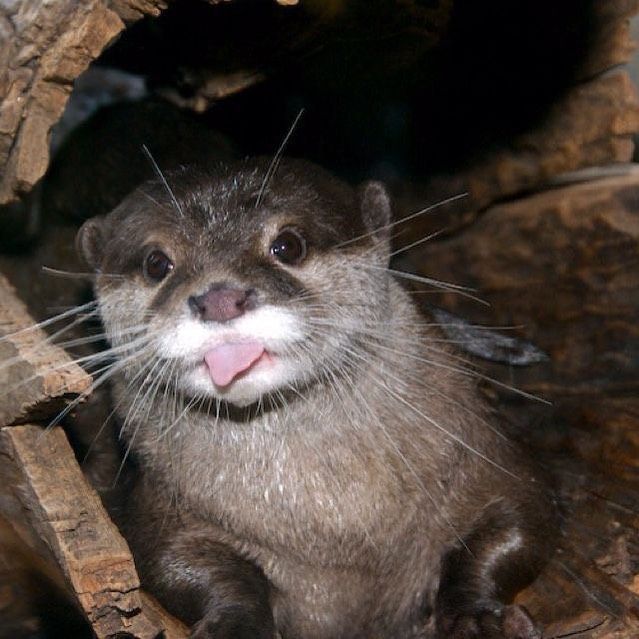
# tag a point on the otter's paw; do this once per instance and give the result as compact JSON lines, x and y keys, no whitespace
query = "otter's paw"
{"x":507,"y":622}
{"x":233,"y":624}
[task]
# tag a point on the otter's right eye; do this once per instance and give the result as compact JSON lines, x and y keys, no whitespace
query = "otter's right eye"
{"x":157,"y":266}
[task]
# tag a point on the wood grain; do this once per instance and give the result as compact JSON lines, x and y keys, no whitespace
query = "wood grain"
{"x":37,"y":378}
{"x":68,"y":515}
{"x":43,"y":48}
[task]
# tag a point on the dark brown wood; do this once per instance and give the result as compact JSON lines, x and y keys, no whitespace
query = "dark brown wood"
{"x":68,"y":515}
{"x":38,"y":65}
{"x":593,"y":125}
{"x":590,"y":586}
{"x":563,"y":266}
{"x":37,"y":378}
{"x":613,"y":45}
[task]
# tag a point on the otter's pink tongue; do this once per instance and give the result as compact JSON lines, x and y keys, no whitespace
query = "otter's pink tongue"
{"x":226,"y":361}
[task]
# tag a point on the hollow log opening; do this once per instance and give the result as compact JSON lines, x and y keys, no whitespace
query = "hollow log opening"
{"x":524,"y":108}
{"x":416,"y":87}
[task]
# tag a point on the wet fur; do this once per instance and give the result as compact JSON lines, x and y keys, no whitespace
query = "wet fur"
{"x":371,"y":495}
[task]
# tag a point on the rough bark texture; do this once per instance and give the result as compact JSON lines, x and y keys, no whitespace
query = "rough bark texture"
{"x":43,"y":48}
{"x":69,"y":516}
{"x":592,"y":126}
{"x":614,"y":45}
{"x":562,"y":264}
{"x":592,"y":585}
{"x":46,"y":47}
{"x":36,"y":377}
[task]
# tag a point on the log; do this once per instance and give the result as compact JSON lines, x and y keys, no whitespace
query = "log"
{"x":560,"y":264}
{"x":613,"y":45}
{"x":37,"y":378}
{"x":39,"y":65}
{"x":43,"y":48}
{"x":590,"y":588}
{"x":69,"y":516}
{"x":593,"y":125}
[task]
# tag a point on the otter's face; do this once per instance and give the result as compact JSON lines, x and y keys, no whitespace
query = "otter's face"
{"x":206,"y":293}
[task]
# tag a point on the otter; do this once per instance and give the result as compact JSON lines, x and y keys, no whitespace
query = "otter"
{"x":307,"y":457}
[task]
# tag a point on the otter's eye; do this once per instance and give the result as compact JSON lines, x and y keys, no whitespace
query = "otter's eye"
{"x":289,"y":247}
{"x":157,"y":266}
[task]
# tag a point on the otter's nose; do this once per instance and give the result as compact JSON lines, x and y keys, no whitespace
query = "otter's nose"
{"x":221,"y":303}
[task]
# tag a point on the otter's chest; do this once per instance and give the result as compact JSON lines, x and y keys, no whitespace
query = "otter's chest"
{"x":299,"y":493}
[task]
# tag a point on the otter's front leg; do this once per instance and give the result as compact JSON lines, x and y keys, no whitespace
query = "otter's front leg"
{"x":221,"y":594}
{"x":504,"y":553}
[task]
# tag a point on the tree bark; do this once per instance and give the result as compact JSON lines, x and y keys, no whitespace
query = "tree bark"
{"x":37,"y":378}
{"x":68,"y":515}
{"x":43,"y":49}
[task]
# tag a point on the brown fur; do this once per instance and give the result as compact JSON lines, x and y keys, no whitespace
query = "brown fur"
{"x":371,"y":497}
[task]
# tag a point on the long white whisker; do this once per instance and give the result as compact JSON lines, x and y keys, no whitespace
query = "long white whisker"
{"x":159,"y":173}
{"x":276,"y":159}
{"x":52,"y":320}
{"x":78,"y":275}
{"x":422,"y":240}
{"x":404,"y":219}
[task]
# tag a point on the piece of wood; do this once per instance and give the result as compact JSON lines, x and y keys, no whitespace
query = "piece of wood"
{"x":593,"y":125}
{"x":613,"y":45}
{"x":46,"y":46}
{"x":69,"y":516}
{"x":589,"y":447}
{"x":43,"y":48}
{"x":604,"y":433}
{"x":32,"y":587}
{"x":37,"y":378}
{"x":563,"y":266}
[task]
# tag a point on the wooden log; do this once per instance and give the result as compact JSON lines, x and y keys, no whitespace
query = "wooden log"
{"x":36,"y":377}
{"x":34,"y":599}
{"x":562,"y":265}
{"x":69,"y":516}
{"x":590,"y":587}
{"x":593,"y":125}
{"x":613,"y":45}
{"x":44,"y":47}
{"x":604,"y":433}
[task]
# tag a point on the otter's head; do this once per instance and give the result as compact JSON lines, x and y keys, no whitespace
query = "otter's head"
{"x":221,"y":286}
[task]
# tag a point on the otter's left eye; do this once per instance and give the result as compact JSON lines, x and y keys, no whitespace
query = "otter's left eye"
{"x":289,"y":247}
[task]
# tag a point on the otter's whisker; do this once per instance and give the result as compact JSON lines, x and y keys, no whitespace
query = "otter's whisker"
{"x":163,"y":179}
{"x":272,"y":168}
{"x":77,"y":274}
{"x":52,"y":320}
{"x":404,"y":219}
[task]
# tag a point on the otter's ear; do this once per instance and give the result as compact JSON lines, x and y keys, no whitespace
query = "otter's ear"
{"x":376,"y":208}
{"x":89,"y":242}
